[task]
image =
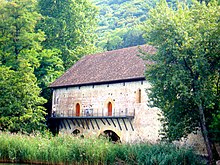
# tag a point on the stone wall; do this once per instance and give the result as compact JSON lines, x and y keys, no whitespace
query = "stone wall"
{"x":128,"y":98}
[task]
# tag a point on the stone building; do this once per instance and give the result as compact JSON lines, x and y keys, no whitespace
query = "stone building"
{"x":105,"y":94}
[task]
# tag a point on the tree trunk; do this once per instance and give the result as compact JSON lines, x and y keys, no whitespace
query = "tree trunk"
{"x":205,"y":134}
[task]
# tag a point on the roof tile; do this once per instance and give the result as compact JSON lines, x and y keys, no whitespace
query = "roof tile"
{"x":121,"y":64}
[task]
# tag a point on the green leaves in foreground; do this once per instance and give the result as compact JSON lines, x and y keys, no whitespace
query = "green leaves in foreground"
{"x":67,"y":149}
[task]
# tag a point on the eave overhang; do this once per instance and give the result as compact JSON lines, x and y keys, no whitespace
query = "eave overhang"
{"x":99,"y":83}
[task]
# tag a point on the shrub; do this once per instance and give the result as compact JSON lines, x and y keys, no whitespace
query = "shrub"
{"x":66,"y":149}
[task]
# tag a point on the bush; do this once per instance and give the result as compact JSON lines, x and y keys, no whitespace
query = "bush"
{"x":67,"y":149}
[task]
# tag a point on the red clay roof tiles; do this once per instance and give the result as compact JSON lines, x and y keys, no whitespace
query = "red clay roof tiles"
{"x":121,"y":64}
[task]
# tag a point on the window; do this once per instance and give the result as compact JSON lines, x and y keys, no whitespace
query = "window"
{"x":109,"y":109}
{"x":139,"y":96}
{"x":77,"y":109}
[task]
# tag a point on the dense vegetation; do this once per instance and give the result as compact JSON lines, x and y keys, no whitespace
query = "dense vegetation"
{"x":36,"y":46}
{"x":40,"y":39}
{"x":121,"y":22}
{"x":66,"y":149}
{"x":186,"y":77}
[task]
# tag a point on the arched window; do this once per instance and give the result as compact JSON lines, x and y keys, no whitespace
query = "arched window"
{"x":109,"y":109}
{"x":139,"y":96}
{"x":77,"y":109}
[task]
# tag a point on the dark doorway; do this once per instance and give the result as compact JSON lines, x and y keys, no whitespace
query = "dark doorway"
{"x":109,"y":109}
{"x":76,"y":132}
{"x":112,"y":136}
{"x":77,"y":109}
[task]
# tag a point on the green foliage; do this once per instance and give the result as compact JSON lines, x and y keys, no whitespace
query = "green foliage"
{"x":20,"y":40}
{"x":72,"y":150}
{"x":118,"y":20}
{"x":69,"y":27}
{"x":185,"y":74}
{"x":215,"y":127}
{"x":124,"y":20}
{"x":24,"y":65}
{"x":17,"y":33}
{"x":50,"y":68}
{"x":20,"y":108}
{"x":122,"y":37}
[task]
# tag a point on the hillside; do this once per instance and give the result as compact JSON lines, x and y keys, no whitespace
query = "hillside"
{"x":120,"y":22}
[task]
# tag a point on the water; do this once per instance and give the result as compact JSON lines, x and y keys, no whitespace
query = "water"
{"x":12,"y":164}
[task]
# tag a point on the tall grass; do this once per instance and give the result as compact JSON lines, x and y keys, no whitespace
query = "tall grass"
{"x":66,"y":149}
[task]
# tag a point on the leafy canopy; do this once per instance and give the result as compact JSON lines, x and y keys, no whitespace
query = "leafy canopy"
{"x":121,"y":21}
{"x":20,"y":104}
{"x":69,"y":26}
{"x":24,"y":65}
{"x":185,"y":74}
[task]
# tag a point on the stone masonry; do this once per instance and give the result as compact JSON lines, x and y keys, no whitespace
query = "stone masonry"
{"x":105,"y":93}
{"x":124,"y":98}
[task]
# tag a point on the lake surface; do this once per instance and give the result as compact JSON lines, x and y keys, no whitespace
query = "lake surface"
{"x":12,"y":164}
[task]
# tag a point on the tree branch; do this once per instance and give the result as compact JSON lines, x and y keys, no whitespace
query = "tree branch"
{"x":191,"y":73}
{"x":217,"y":84}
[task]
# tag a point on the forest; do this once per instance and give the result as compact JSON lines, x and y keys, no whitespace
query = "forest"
{"x":41,"y":39}
{"x":121,"y":22}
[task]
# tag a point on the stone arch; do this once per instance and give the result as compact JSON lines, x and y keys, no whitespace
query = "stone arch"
{"x":76,"y":132}
{"x":109,"y":105}
{"x":111,"y":135}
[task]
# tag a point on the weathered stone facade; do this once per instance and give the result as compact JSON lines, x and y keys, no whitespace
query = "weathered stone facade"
{"x":105,"y":93}
{"x":127,"y":98}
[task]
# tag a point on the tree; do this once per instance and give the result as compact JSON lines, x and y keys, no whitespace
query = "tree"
{"x":49,"y":69}
{"x":20,"y":104}
{"x":133,"y":37}
{"x":69,"y":27}
{"x":22,"y":54}
{"x":17,"y":32}
{"x":185,"y":73}
{"x":19,"y":38}
{"x":113,"y":43}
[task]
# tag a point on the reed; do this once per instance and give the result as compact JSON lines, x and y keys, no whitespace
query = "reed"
{"x":66,"y":149}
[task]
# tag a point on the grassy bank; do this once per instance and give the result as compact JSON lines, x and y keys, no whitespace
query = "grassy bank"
{"x":65,"y":149}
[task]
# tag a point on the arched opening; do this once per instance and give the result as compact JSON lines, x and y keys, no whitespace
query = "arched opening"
{"x":109,"y":109}
{"x":139,"y":96}
{"x":111,"y":135}
{"x":76,"y":132}
{"x":77,"y":109}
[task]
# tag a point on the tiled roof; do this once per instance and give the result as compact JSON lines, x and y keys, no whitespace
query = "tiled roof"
{"x":110,"y":66}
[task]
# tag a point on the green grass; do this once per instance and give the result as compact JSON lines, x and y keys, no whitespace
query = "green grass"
{"x":66,"y":149}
